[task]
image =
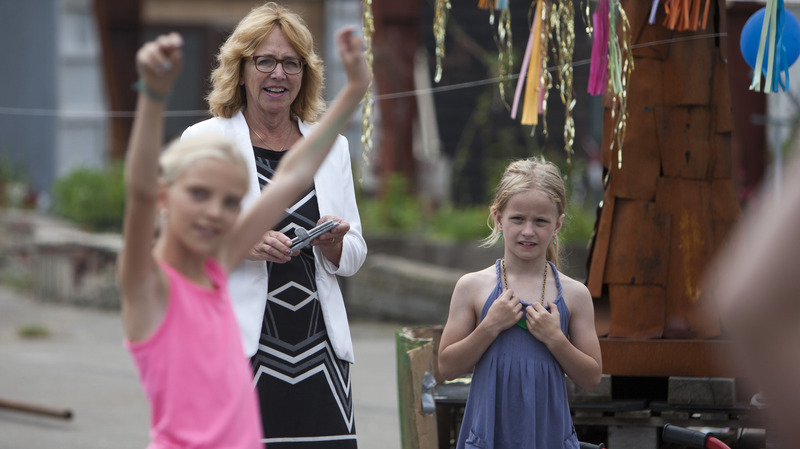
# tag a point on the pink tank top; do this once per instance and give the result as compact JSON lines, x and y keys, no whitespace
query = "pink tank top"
{"x":194,"y":371}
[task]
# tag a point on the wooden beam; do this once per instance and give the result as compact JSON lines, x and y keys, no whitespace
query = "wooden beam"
{"x":664,"y":358}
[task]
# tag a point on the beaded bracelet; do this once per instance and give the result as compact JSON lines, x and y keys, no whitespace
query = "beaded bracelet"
{"x":142,"y":87}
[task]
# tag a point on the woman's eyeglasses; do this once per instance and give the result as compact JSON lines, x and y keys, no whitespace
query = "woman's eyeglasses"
{"x":267,"y":64}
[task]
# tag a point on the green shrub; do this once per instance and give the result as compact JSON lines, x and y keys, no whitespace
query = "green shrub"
{"x":93,"y":199}
{"x":578,"y":226}
{"x":397,"y":212}
{"x":401,"y":213}
{"x":461,"y":225}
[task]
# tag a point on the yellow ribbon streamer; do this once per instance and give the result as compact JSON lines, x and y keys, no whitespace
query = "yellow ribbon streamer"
{"x":530,"y":110}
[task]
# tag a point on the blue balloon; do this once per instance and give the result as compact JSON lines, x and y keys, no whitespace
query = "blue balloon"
{"x":751,"y":35}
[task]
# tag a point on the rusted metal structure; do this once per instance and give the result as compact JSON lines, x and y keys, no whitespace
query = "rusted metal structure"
{"x":667,"y":209}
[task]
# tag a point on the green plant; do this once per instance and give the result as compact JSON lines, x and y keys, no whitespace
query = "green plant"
{"x":462,"y":224}
{"x":31,"y":331}
{"x":578,"y":226}
{"x":93,"y":199}
{"x":15,"y":188}
{"x":401,"y":213}
{"x":397,"y":211}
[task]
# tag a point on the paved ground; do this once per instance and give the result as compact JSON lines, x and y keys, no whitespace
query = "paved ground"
{"x":81,"y":366}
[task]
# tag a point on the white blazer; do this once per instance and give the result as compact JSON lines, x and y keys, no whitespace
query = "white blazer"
{"x":333,"y":183}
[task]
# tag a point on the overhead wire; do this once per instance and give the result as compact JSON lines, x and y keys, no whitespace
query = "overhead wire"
{"x":77,"y":113}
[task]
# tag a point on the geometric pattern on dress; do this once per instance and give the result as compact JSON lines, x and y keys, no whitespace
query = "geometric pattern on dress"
{"x":295,"y":369}
{"x":309,"y":353}
{"x":274,"y":296}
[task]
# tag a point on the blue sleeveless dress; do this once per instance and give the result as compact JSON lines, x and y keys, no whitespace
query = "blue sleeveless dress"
{"x":518,"y":398}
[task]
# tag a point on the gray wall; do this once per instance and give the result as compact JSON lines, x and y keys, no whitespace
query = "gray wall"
{"x":52,"y":94}
{"x":28,"y":87}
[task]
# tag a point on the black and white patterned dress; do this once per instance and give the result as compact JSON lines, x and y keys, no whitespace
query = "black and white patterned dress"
{"x":303,"y":388}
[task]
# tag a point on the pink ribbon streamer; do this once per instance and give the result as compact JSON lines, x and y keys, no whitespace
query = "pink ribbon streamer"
{"x":598,"y":70}
{"x":522,"y":74}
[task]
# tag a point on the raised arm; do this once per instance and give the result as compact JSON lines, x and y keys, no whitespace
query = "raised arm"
{"x":296,"y":170}
{"x":158,"y":63}
{"x":754,"y":282}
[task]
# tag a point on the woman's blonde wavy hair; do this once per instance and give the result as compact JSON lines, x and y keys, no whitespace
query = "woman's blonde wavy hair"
{"x":227,"y":96}
{"x":523,"y":176}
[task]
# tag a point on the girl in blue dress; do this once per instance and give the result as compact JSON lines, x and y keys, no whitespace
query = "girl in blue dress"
{"x":520,"y":325}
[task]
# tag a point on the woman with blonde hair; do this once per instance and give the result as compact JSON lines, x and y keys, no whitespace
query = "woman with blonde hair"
{"x":266,"y":94}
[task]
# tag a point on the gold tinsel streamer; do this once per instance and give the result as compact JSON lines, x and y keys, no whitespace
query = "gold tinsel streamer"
{"x":619,"y":74}
{"x":505,"y":52}
{"x":562,"y":22}
{"x":441,"y":13}
{"x":587,"y":18}
{"x":545,"y":77}
{"x":367,"y":125}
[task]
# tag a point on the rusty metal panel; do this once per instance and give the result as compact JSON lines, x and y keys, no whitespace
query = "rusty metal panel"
{"x":721,"y":98}
{"x":637,"y":311}
{"x":725,"y":209}
{"x":638,"y":251}
{"x":692,"y":243}
{"x":721,"y":163}
{"x":687,"y":73}
{"x":685,"y":135}
{"x":594,"y":280}
{"x":643,"y":33}
{"x":664,"y":358}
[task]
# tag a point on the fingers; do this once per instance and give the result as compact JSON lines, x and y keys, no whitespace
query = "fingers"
{"x":162,"y":55}
{"x":333,"y":237}
{"x":274,"y":247}
{"x":351,"y":52}
{"x":349,"y":40}
{"x":506,"y":310}
{"x":159,"y":62}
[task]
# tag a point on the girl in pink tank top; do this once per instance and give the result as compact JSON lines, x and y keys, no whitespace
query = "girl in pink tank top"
{"x":178,"y":320}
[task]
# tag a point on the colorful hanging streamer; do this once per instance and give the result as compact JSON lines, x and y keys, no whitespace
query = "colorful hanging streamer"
{"x":531,"y":108}
{"x":503,"y":39}
{"x":367,"y":126}
{"x":523,"y":73}
{"x":772,"y":44}
{"x":562,"y":24}
{"x":598,"y":70}
{"x":653,"y":11}
{"x":505,"y":50}
{"x":684,"y":15}
{"x":620,"y":67}
{"x":441,"y":13}
{"x":545,"y":76}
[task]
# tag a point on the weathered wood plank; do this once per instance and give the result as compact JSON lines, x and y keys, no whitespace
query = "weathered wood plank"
{"x":692,"y":243}
{"x":685,"y":136}
{"x":637,"y":311}
{"x":638,"y":252}
{"x":664,"y":358}
{"x":687,"y":72}
{"x":594,"y":281}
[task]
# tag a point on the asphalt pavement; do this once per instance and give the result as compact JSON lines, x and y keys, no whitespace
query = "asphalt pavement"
{"x":65,"y":359}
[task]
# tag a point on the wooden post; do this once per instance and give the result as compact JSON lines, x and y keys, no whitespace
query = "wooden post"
{"x":119,"y":27}
{"x":395,"y":44}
